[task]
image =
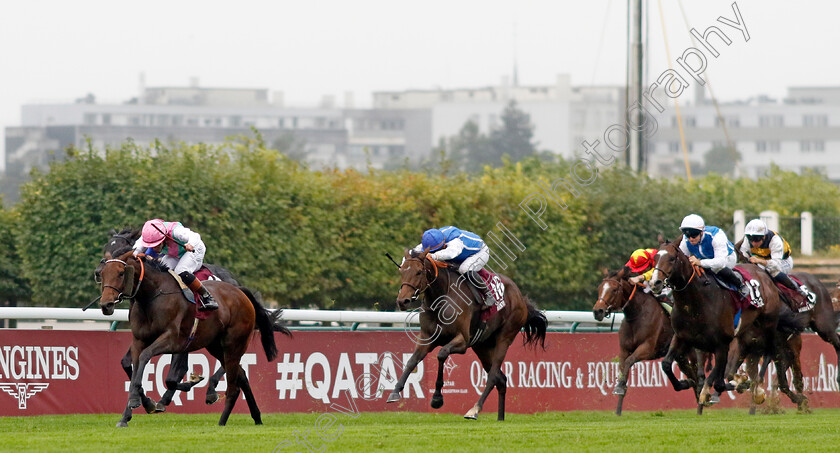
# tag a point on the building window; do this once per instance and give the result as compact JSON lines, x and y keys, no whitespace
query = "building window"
{"x":771,"y":121}
{"x":690,"y":121}
{"x":135,"y":120}
{"x":761,"y":146}
{"x":815,"y":120}
{"x":178,"y":120}
{"x":674,"y":147}
{"x":106,"y":118}
{"x":805,"y":146}
{"x":734,"y":121}
{"x":280,"y":123}
{"x":818,"y":145}
{"x":235,"y":121}
{"x":774,"y":146}
{"x":90,"y":118}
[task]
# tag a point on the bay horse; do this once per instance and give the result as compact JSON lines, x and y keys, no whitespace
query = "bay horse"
{"x":120,"y":240}
{"x":449,"y":319}
{"x":703,"y":318}
{"x":645,"y":333}
{"x":822,"y":317}
{"x":161,"y":322}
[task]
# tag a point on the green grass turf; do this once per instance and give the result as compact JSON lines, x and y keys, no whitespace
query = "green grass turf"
{"x":671,"y":431}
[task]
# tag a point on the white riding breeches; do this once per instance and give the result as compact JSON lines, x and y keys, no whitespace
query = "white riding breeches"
{"x":774,"y":267}
{"x":190,"y":261}
{"x":731,"y":260}
{"x":475,"y":262}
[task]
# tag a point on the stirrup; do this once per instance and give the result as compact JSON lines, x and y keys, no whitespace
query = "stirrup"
{"x":208,"y":305}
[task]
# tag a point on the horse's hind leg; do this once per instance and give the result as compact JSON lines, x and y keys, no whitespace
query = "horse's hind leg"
{"x":495,"y":378}
{"x":232,"y":370}
{"x":825,"y":326}
{"x":177,"y":370}
{"x":456,"y":346}
{"x":249,"y":397}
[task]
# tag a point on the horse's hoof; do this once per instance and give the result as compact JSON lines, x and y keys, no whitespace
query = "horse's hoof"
{"x":394,"y":397}
{"x":714,"y":399}
{"x":149,"y":406}
{"x":211,"y":398}
{"x":437,"y":402}
{"x":134,"y":403}
{"x":619,"y":391}
{"x":122,"y":424}
{"x":472,"y":414}
{"x":159,"y":408}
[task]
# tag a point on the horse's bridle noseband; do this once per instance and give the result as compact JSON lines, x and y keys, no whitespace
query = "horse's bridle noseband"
{"x":121,"y":296}
{"x":620,"y":289}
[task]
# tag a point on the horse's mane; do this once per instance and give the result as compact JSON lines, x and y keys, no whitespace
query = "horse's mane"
{"x":157,"y":265}
{"x":625,"y":271}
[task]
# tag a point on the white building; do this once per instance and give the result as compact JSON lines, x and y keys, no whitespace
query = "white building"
{"x":562,"y":115}
{"x":799,"y":132}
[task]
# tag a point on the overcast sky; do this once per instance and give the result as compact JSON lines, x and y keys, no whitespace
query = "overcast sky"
{"x":61,"y":50}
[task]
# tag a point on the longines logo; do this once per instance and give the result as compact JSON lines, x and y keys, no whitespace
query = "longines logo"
{"x":22,"y":392}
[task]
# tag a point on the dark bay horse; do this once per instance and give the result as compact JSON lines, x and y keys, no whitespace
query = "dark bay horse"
{"x":703,"y":318}
{"x":120,"y":240}
{"x":162,"y":320}
{"x":449,"y":319}
{"x":822,"y":318}
{"x":645,"y":333}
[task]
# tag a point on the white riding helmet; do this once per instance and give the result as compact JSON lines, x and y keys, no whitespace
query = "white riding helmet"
{"x":756,"y":227}
{"x":694,"y":222}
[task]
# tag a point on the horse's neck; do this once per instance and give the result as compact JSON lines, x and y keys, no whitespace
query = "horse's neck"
{"x":446,"y":285}
{"x":154,"y":283}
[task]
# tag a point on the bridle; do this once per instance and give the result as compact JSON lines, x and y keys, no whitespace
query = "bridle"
{"x":417,"y":290}
{"x":609,"y":309}
{"x":668,"y":276}
{"x":122,"y":296}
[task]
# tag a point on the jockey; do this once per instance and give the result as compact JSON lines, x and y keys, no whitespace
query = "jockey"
{"x":708,"y":247}
{"x":768,"y":249}
{"x":642,"y":262}
{"x":179,"y":248}
{"x":463,"y":248}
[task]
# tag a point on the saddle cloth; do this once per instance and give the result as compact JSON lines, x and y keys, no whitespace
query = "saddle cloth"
{"x":754,"y":299}
{"x":797,"y":301}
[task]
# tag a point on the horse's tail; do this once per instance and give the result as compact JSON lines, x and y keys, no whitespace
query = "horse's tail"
{"x":268,"y":322}
{"x":535,"y":327}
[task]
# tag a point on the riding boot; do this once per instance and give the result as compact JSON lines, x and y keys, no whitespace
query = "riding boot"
{"x":206,"y":299}
{"x":729,"y":276}
{"x":785,"y":279}
{"x":479,"y":282}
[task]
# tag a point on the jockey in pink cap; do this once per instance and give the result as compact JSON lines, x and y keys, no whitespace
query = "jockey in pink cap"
{"x":179,"y":248}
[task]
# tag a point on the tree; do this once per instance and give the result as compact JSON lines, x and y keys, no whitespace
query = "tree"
{"x":514,"y":136}
{"x":293,"y":147}
{"x":721,"y":160}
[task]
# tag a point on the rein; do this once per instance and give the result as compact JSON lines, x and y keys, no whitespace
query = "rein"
{"x":435,"y":264}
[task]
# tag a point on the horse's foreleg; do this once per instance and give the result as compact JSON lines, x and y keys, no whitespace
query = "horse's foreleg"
{"x":177,"y":370}
{"x":457,"y":346}
{"x":494,"y":378}
{"x":419,"y":354}
{"x":716,"y":376}
{"x":212,"y":395}
{"x":676,"y":349}
{"x":643,"y":352}
{"x":126,"y":361}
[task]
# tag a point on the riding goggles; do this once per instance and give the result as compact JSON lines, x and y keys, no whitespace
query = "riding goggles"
{"x":692,"y":233}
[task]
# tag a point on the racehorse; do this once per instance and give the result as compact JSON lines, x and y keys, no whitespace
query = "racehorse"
{"x":162,"y":322}
{"x":645,"y":333}
{"x":703,"y":318}
{"x":449,"y":318}
{"x":178,"y":367}
{"x":821,"y":318}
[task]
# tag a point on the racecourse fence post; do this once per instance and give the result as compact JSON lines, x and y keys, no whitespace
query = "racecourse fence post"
{"x":771,"y":218}
{"x":807,"y":240}
{"x":739,"y":219}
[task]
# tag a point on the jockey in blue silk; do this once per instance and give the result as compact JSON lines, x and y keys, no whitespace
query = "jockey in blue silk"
{"x":709,"y":248}
{"x":181,"y":249}
{"x":768,"y":249}
{"x":461,"y":247}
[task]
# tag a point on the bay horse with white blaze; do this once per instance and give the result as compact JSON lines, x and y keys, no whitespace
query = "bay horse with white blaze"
{"x":450,"y":319}
{"x":645,"y":333}
{"x":703,"y":317}
{"x":162,"y":322}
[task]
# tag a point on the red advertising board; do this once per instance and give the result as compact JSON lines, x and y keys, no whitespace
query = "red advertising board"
{"x":65,"y":372}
